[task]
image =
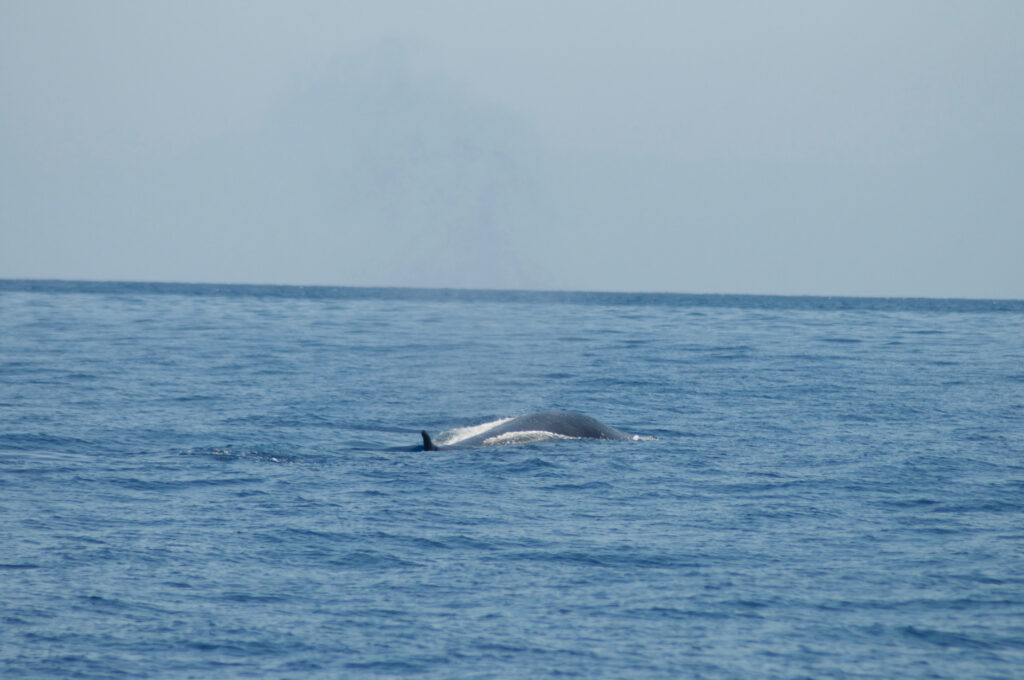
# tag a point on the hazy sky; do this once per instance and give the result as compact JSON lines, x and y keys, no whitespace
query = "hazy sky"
{"x":860,"y":148}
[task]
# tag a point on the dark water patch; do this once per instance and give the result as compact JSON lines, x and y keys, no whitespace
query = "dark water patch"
{"x":797,"y":361}
{"x":408,"y":541}
{"x":370,"y":560}
{"x":529,"y":465}
{"x":716,"y":351}
{"x":393,"y":668}
{"x":676,"y":614}
{"x":258,"y":598}
{"x":114,"y":606}
{"x":752,"y":488}
{"x":984,"y":506}
{"x":193,"y":398}
{"x":604,"y":559}
{"x":180,"y":585}
{"x":857,"y":418}
{"x":500,"y":649}
{"x":252,"y":493}
{"x":975,"y":576}
{"x":579,"y":487}
{"x":157,"y":485}
{"x":234,"y":646}
{"x":946,"y":639}
{"x":314,"y":535}
{"x":51,"y":443}
{"x":912,"y":503}
{"x":463,"y":542}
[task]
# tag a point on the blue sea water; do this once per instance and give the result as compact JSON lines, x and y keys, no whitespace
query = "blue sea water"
{"x":221,"y":481}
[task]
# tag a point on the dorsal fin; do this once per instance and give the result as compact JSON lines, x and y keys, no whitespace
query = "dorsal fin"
{"x":427,"y":444}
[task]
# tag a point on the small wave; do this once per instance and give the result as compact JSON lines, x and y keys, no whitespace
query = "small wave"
{"x":664,"y":612}
{"x":416,"y":542}
{"x":245,"y":597}
{"x":390,"y":667}
{"x":370,"y":559}
{"x":529,"y":465}
{"x":44,"y":442}
{"x":945,"y":639}
{"x":159,"y":485}
{"x":606,"y":558}
{"x":910,"y":502}
{"x":584,"y":486}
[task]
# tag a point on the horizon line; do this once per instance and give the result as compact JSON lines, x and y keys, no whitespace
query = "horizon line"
{"x":450,"y":289}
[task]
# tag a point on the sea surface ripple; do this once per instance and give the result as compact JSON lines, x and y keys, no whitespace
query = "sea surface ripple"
{"x":221,"y":481}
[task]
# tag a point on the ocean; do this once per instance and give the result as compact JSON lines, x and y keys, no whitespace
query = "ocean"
{"x":224,"y":481}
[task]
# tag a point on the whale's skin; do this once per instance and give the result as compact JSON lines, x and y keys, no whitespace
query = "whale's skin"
{"x":561,"y":423}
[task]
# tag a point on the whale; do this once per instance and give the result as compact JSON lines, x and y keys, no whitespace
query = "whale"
{"x":530,"y":428}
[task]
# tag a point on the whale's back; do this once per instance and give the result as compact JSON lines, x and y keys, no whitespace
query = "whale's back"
{"x":535,"y":427}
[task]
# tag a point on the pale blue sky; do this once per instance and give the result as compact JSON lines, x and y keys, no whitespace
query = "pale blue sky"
{"x":738,"y":147}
